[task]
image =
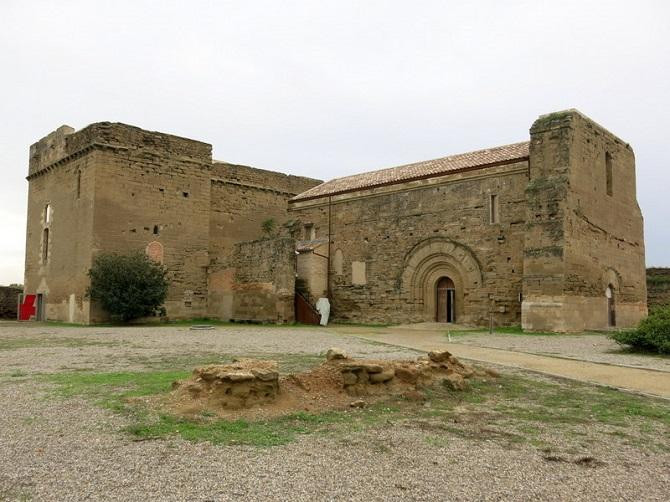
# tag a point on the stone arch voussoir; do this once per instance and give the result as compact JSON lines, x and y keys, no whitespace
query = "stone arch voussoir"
{"x":432,"y":259}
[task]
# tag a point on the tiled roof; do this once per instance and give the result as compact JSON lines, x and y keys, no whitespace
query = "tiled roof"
{"x":418,"y":170}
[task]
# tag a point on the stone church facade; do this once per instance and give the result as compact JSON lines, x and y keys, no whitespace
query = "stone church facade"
{"x":545,"y":233}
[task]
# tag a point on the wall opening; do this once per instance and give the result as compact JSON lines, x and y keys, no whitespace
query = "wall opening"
{"x":39,"y":312}
{"x":494,"y":210}
{"x":309,"y":232}
{"x":155,"y":229}
{"x":78,"y":184}
{"x":45,"y":245}
{"x":611,"y":306}
{"x":445,"y":304}
{"x":47,"y":214}
{"x":338,"y":262}
{"x":608,"y":173}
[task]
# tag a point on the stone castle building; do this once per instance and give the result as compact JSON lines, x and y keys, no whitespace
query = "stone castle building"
{"x":546,"y":233}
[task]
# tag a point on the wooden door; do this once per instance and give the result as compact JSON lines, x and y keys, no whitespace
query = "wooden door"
{"x":445,"y":301}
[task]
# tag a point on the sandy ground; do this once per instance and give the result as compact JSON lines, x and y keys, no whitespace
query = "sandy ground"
{"x":70,"y":449}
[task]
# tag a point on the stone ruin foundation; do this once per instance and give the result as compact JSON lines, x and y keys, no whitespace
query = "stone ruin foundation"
{"x":242,"y":384}
{"x":337,"y":382}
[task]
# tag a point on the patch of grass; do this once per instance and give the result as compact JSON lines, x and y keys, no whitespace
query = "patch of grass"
{"x":571,"y":403}
{"x":510,"y":410}
{"x":516,"y":409}
{"x":265,"y":433}
{"x":112,"y":390}
{"x":516,"y":330}
{"x":27,"y":342}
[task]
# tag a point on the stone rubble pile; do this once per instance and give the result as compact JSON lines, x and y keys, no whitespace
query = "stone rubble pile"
{"x":238,"y":385}
{"x":248,"y":383}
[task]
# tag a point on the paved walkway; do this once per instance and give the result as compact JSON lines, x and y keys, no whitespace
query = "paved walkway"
{"x":425,"y":338}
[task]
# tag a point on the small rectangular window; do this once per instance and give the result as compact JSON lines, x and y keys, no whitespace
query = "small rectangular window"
{"x":310,"y":232}
{"x":608,"y":173}
{"x":494,"y":211}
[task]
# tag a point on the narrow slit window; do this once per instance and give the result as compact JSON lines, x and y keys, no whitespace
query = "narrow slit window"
{"x":47,"y":214}
{"x":78,"y":184}
{"x":45,"y":245}
{"x":608,"y":173}
{"x":494,"y":209}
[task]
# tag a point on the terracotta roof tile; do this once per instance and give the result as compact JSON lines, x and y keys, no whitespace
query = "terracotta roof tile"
{"x":425,"y":169}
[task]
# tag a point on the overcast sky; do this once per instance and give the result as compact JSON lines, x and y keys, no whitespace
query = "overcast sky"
{"x":325,"y":89}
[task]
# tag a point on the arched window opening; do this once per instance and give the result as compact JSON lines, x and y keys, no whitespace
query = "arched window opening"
{"x":611,"y":306}
{"x":446,"y":300}
{"x":338,"y":261}
{"x":45,"y":245}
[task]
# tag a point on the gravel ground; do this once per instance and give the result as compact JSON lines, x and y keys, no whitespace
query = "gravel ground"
{"x":50,"y":349}
{"x":595,"y":348}
{"x":57,"y":449}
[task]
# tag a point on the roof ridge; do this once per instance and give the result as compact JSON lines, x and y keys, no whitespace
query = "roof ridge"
{"x":425,"y":168}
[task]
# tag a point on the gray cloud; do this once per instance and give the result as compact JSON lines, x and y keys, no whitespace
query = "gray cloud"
{"x":326,"y":89}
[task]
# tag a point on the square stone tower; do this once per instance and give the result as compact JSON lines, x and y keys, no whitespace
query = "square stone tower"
{"x":583,"y":262}
{"x":116,"y":188}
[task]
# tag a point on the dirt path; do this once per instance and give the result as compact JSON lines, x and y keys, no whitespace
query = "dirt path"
{"x":646,"y":381}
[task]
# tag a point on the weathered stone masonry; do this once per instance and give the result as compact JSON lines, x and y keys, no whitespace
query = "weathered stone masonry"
{"x":546,"y":233}
{"x":538,"y":233}
{"x":117,"y":188}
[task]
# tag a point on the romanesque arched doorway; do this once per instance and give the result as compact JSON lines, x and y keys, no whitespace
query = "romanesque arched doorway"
{"x":431,"y":260}
{"x":445,"y":303}
{"x":611,"y":307}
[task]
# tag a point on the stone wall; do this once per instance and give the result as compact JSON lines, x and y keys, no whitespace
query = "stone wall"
{"x":569,"y":227}
{"x":154,"y":189}
{"x":263,"y":280}
{"x":658,"y":287}
{"x":9,"y":298}
{"x":117,"y":188}
{"x":394,"y":243}
{"x":241,"y":199}
{"x":581,"y":239}
{"x":312,"y":267}
{"x":59,"y":251}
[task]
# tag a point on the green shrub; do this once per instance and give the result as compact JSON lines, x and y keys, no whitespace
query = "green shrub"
{"x":652,"y":334}
{"x":128,"y":286}
{"x":269,"y":227}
